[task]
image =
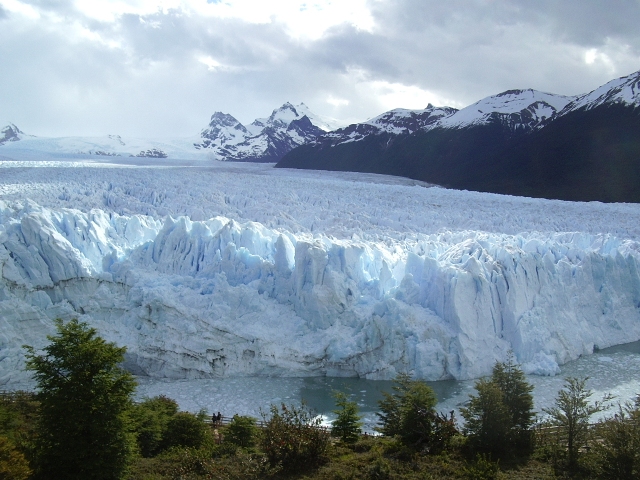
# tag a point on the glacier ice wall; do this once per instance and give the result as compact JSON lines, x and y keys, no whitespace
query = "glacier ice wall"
{"x":194,"y":299}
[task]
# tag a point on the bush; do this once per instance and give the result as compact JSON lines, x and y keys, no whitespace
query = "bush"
{"x":293,"y":439}
{"x":13,"y":465}
{"x":241,"y":431}
{"x":18,"y":419}
{"x":618,"y":450}
{"x":184,"y":429}
{"x":481,"y":469}
{"x":151,"y":418}
{"x":380,"y":469}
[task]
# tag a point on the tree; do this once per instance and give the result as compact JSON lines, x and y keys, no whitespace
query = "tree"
{"x":410,"y":414}
{"x":85,"y":399}
{"x":499,"y":418}
{"x":487,"y":419}
{"x":573,"y":411}
{"x":151,"y":418}
{"x":517,"y":398}
{"x":348,"y":423}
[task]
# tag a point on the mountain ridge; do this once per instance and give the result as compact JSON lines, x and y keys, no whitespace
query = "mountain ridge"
{"x":224,"y":139}
{"x":508,"y":143}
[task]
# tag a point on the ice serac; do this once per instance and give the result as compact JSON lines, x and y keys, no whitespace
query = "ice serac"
{"x":193,"y":299}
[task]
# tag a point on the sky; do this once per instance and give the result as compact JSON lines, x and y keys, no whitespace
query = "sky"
{"x":162,"y":68}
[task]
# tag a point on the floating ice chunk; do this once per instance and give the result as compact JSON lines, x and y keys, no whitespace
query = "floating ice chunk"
{"x":542,"y":364}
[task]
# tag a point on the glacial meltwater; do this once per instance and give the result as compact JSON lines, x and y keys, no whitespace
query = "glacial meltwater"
{"x":614,"y":370}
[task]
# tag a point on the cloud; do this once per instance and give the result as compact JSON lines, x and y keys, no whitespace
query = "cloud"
{"x":148,"y":68}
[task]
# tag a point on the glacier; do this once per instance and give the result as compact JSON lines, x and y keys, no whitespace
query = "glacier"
{"x":207,"y":271}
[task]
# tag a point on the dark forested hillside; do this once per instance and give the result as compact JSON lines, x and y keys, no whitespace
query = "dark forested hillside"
{"x":584,"y":155}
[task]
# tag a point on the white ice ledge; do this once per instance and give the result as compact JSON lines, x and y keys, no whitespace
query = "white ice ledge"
{"x":196,"y":299}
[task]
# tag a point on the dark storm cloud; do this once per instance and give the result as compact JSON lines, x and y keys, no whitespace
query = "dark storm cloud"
{"x":589,"y":22}
{"x":474,"y":48}
{"x":166,"y":72}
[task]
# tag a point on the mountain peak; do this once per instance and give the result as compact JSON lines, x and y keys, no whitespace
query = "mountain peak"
{"x":623,"y":90}
{"x":265,"y":139}
{"x":223,"y":119}
{"x":540,"y":106}
{"x":284,"y":115}
{"x":10,"y":133}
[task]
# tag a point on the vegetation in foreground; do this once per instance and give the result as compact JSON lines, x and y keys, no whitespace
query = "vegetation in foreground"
{"x":82,"y":423}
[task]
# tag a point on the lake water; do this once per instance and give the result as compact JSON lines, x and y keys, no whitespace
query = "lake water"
{"x":614,"y":370}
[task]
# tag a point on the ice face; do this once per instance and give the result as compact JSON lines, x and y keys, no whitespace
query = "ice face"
{"x":231,"y":270}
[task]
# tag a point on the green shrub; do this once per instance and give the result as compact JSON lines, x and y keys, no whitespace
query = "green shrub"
{"x":241,"y":431}
{"x":380,"y":469}
{"x":184,"y":429}
{"x":151,"y":418}
{"x":572,"y":412}
{"x":224,"y":449}
{"x":18,"y":420}
{"x":293,"y":439}
{"x":481,"y":469}
{"x":13,"y":465}
{"x":617,"y":450}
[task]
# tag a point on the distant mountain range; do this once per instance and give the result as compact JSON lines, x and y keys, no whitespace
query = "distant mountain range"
{"x":225,"y":139}
{"x":519,"y":142}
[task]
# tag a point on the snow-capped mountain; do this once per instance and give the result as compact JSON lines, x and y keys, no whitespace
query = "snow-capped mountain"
{"x":264,"y":140}
{"x":225,"y":138}
{"x":519,"y":142}
{"x":622,"y":91}
{"x":518,"y":110}
{"x":10,"y":133}
{"x":399,"y":121}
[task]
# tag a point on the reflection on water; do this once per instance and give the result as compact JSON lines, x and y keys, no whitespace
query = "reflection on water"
{"x":612,"y":370}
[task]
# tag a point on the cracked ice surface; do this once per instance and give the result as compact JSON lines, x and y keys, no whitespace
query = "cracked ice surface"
{"x":206,"y":270}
